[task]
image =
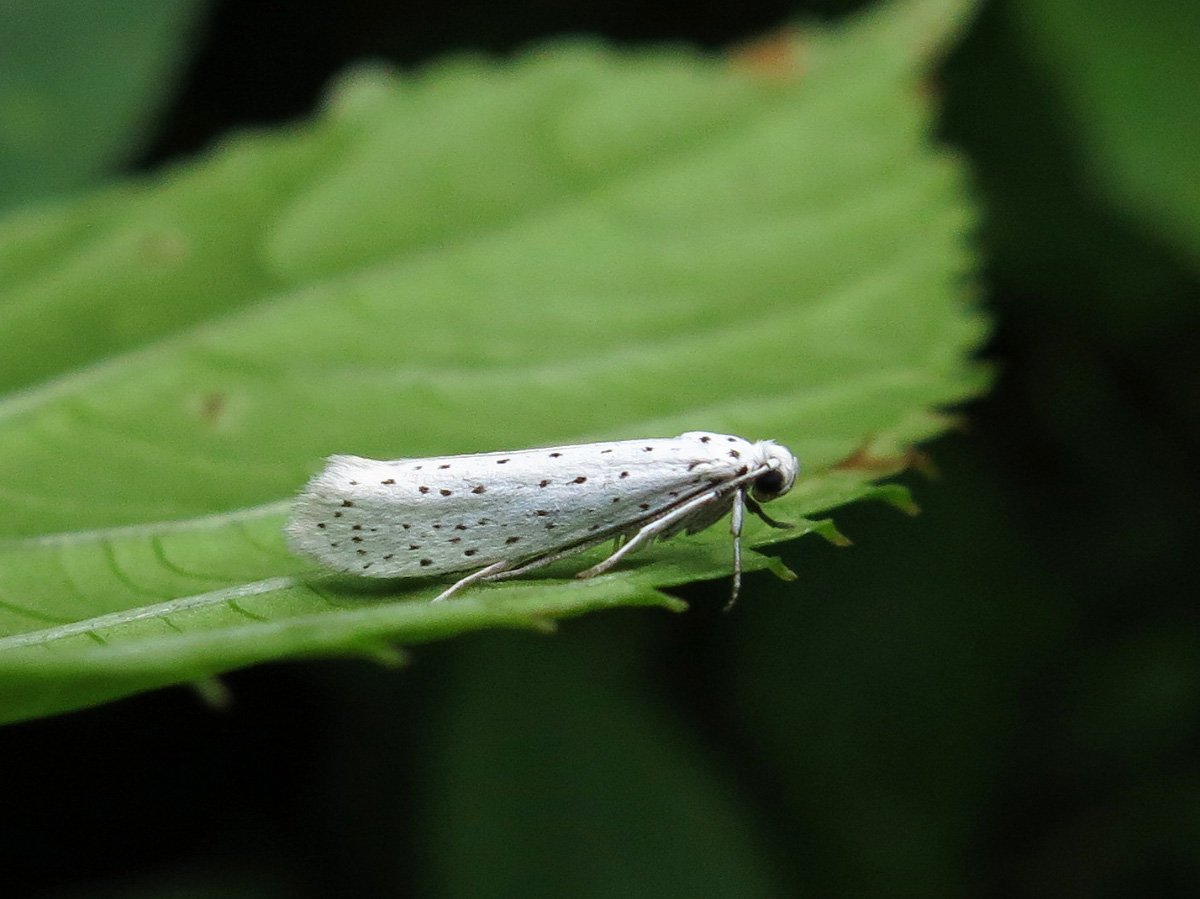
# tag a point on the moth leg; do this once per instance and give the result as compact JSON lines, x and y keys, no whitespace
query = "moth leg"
{"x":736,"y":519}
{"x":474,"y":577}
{"x":649,"y":531}
{"x":540,"y":561}
{"x":757,"y":509}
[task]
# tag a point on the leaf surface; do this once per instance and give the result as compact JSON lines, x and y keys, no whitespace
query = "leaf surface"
{"x":578,"y":244}
{"x":1126,"y":73}
{"x":78,"y":82}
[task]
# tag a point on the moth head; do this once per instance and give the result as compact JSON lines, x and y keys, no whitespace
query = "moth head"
{"x":781,"y":474}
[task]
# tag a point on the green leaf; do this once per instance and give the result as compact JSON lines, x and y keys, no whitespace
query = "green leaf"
{"x":576,"y":245}
{"x":607,"y":763}
{"x":1127,"y":73}
{"x":77,"y":81}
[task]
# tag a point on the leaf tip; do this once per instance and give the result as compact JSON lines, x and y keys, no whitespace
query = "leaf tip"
{"x":776,"y":566}
{"x":358,"y":92}
{"x":826,"y":529}
{"x":897,"y":496}
{"x":670,"y":603}
{"x":385,"y":654}
{"x":542,"y":625}
{"x":213,"y":693}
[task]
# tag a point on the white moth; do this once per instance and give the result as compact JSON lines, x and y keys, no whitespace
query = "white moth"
{"x":499,"y":515}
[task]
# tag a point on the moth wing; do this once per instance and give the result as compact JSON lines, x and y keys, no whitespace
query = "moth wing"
{"x":406,"y":518}
{"x":427,"y":516}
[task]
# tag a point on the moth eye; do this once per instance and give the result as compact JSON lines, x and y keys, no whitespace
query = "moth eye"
{"x":769,"y":484}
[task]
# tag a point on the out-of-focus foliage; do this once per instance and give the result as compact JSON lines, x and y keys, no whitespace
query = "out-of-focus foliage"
{"x":79,"y":83}
{"x":1126,"y":73}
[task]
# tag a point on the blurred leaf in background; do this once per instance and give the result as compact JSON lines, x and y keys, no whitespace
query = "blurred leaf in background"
{"x":79,"y":85}
{"x":1127,"y":74}
{"x":1092,"y":433}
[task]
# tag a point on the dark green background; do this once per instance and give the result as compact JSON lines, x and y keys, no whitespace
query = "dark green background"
{"x":999,"y":697}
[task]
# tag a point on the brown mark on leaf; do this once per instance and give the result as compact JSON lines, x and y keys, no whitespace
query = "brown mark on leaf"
{"x":212,"y":406}
{"x":881,"y":464}
{"x":777,"y":57}
{"x":166,"y":248}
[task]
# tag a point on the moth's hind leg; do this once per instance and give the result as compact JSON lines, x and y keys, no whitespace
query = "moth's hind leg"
{"x":474,"y":577}
{"x":501,"y":571}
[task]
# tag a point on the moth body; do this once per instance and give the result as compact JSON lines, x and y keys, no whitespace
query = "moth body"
{"x":505,"y":512}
